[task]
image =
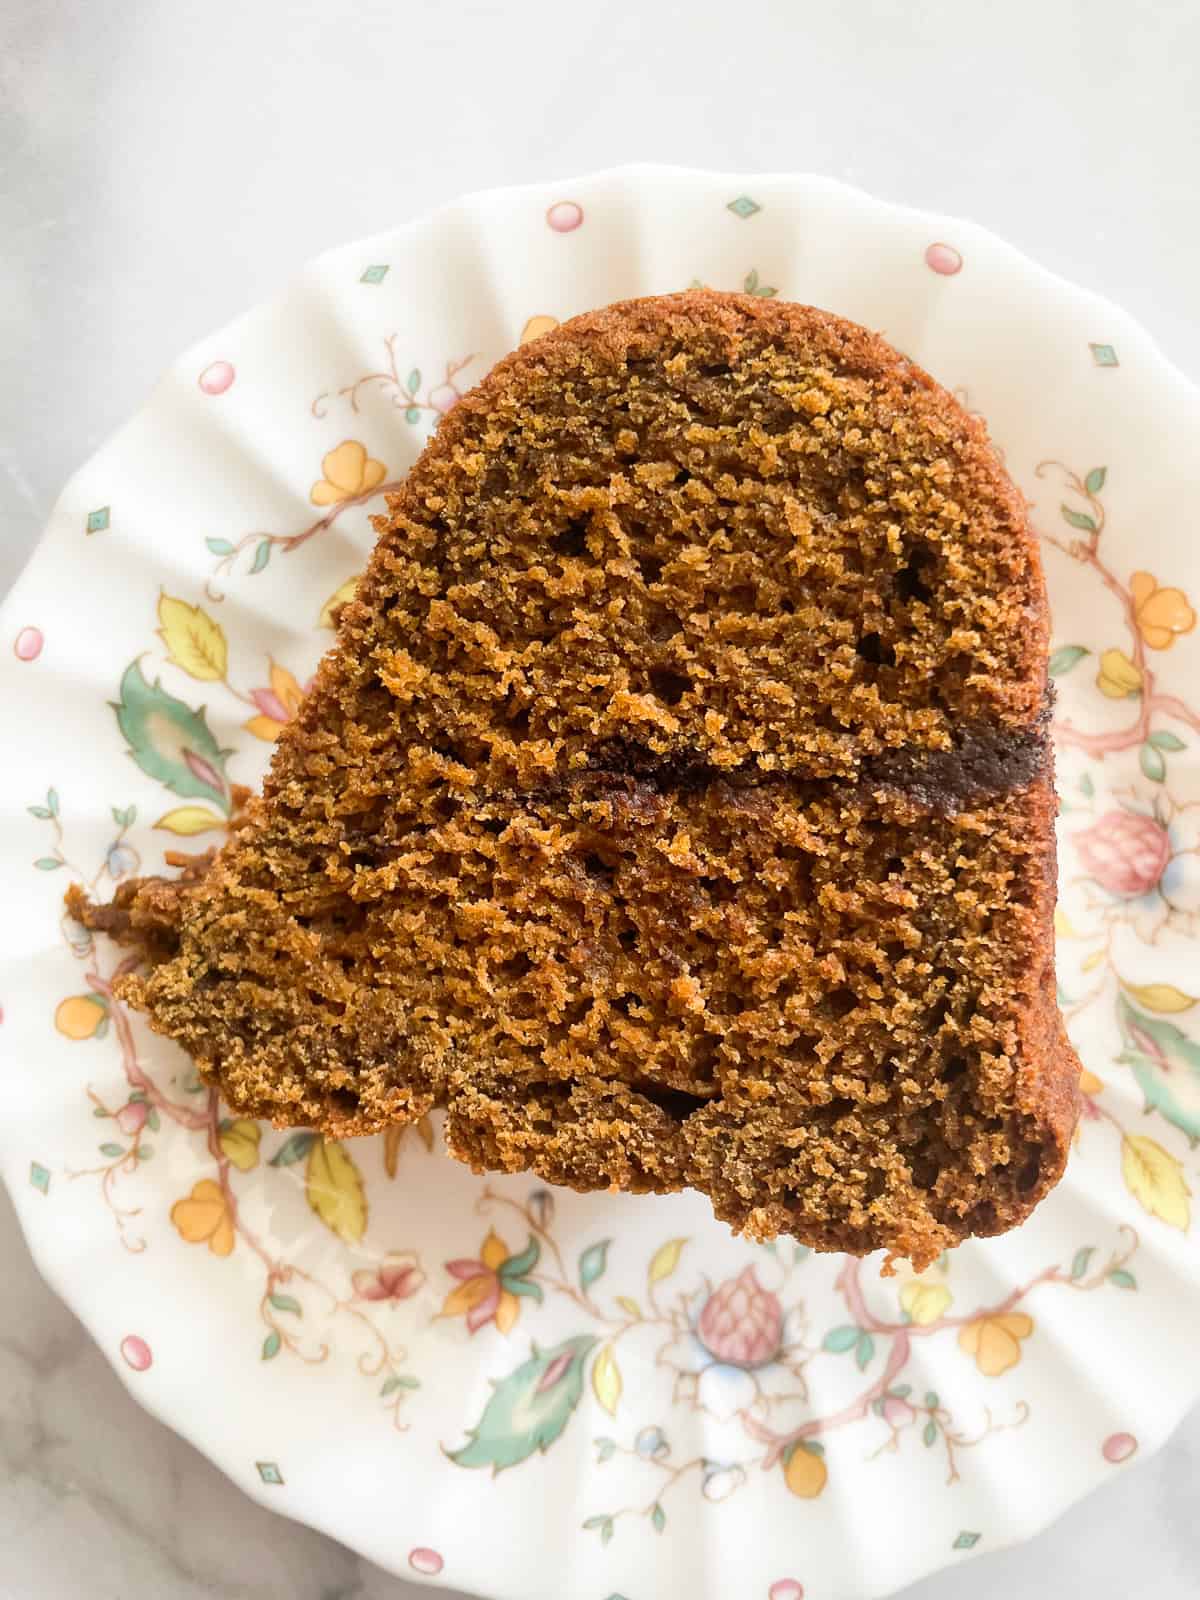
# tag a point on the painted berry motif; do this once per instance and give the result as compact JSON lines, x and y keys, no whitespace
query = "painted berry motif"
{"x":741,"y":1323}
{"x":1125,"y":852}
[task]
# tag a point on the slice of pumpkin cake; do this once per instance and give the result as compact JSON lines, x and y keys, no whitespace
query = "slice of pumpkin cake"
{"x":676,"y":806}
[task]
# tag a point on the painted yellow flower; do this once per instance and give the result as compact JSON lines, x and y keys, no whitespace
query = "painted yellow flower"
{"x":1117,"y":676}
{"x":203,"y":1218}
{"x":276,"y":705}
{"x":1161,"y":614}
{"x":349,"y":471}
{"x":995,"y":1341}
{"x":491,"y":1288}
{"x":925,"y":1302}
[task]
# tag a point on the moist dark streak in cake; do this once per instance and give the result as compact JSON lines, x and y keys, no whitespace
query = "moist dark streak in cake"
{"x":983,"y":761}
{"x":677,"y":805}
{"x":987,"y":761}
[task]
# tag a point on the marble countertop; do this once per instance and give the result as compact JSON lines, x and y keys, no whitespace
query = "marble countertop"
{"x":169,"y":165}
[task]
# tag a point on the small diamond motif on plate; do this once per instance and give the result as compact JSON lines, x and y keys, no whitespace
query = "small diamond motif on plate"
{"x":374,"y":274}
{"x":1104,"y":355}
{"x":97,"y":521}
{"x":743,"y":206}
{"x":967,"y":1541}
{"x":39,"y":1177}
{"x":269,"y":1472}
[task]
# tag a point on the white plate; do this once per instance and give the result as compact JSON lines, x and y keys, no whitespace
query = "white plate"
{"x":525,"y":1393}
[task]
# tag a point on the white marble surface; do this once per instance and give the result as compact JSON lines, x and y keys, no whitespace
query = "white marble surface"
{"x":167,"y":163}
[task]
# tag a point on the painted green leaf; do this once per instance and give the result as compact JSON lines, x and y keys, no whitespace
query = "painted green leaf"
{"x":294,"y":1148}
{"x":52,"y":801}
{"x":271,"y":1346}
{"x":262,"y":555}
{"x":1152,"y":763}
{"x":522,"y":1286}
{"x":863,"y":1351}
{"x":219,"y":547}
{"x":931,"y":1399}
{"x":1166,"y":1065}
{"x":112,"y":1150}
{"x":593,"y":1262}
{"x":414,"y":380}
{"x":1079,"y":519}
{"x":42,"y":813}
{"x":1166,"y":741}
{"x":1094,"y":481}
{"x":1122,"y":1279}
{"x":751,"y":281}
{"x":929,"y":1433}
{"x":528,"y":1409}
{"x":605,"y":1449}
{"x":47,"y":863}
{"x":124,"y":816}
{"x":286,"y":1302}
{"x":153,"y":1121}
{"x":1086,"y":786}
{"x":1070,"y":655}
{"x":658,"y":1518}
{"x":144,"y":1152}
{"x":901,"y":1390}
{"x":170,"y":742}
{"x":402,"y":1381}
{"x":839,"y":1340}
{"x":412,"y":414}
{"x":518,"y":1266}
{"x":1080,"y":1263}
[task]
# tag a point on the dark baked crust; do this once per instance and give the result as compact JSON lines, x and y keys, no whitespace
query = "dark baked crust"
{"x":677,"y":804}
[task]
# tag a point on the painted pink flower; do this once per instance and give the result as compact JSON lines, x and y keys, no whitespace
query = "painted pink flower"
{"x":491,"y":1288}
{"x":396,"y":1278}
{"x":741,"y":1323}
{"x":1125,"y":852}
{"x":131,"y":1118}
